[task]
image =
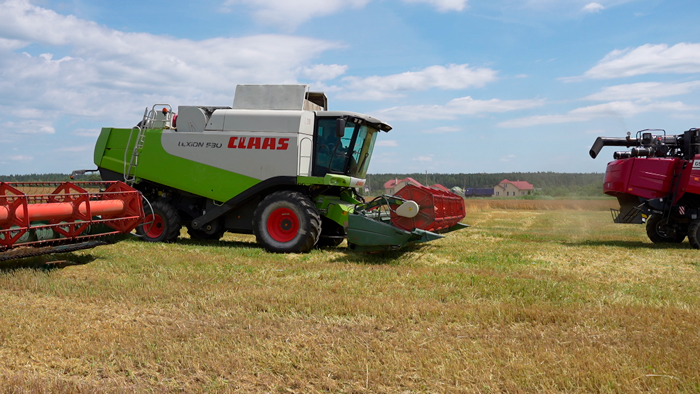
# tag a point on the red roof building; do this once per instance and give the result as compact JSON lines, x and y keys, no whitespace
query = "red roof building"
{"x":513,"y":188}
{"x":394,"y":185}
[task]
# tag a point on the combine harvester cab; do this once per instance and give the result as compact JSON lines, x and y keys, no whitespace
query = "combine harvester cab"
{"x":39,"y":218}
{"x":276,"y":164}
{"x":657,"y":182}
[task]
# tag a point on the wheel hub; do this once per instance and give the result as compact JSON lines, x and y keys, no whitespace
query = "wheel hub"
{"x":665,"y":230}
{"x":283,"y":225}
{"x":156,"y":228}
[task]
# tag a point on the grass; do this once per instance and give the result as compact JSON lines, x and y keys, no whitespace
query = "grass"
{"x":546,"y":298}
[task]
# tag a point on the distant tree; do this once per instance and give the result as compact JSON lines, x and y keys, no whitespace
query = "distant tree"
{"x":52,"y":177}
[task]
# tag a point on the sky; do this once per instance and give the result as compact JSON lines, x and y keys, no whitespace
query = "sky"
{"x":469,"y":86}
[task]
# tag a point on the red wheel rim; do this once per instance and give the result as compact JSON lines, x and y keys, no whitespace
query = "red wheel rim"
{"x":155,"y":229}
{"x":283,"y":225}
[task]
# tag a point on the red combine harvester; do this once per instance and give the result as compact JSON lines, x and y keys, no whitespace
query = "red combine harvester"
{"x":657,"y":182}
{"x":39,"y":218}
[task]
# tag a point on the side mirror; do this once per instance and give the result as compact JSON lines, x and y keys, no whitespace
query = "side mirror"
{"x":340,"y":127}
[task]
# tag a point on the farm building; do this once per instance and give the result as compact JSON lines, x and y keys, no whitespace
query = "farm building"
{"x":394,"y":185}
{"x":508,"y":188}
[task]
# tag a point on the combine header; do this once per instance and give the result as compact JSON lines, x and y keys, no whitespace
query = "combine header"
{"x":657,"y":182}
{"x":276,"y":164}
{"x":52,"y":217}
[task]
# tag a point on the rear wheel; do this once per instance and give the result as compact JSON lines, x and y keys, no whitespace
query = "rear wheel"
{"x":662,"y":230}
{"x":162,"y":223}
{"x":287,"y":222}
{"x":694,"y":234}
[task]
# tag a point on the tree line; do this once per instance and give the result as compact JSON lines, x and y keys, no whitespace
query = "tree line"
{"x":52,"y":177}
{"x":555,"y":184}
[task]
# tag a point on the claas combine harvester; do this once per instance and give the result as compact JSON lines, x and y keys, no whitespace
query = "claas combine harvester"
{"x":657,"y":182}
{"x":276,"y":164}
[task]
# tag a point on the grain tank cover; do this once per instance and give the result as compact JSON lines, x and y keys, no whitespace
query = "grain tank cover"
{"x":278,"y":97}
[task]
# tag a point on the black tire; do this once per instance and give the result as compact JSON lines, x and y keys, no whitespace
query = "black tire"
{"x":200,"y":235}
{"x":694,"y":234}
{"x":161,"y":225}
{"x":287,"y":222}
{"x":329,"y":242}
{"x":659,"y":230}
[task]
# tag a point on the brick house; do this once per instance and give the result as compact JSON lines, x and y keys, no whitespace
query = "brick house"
{"x":508,"y":188}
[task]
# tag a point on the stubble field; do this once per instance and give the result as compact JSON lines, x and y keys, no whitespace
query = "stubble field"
{"x":537,"y":296}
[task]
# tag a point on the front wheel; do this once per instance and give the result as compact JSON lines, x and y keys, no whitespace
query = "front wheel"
{"x":662,"y":230}
{"x":287,"y":222}
{"x":162,"y":223}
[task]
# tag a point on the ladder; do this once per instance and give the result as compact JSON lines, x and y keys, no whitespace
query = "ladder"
{"x":162,"y":118}
{"x":132,"y":162}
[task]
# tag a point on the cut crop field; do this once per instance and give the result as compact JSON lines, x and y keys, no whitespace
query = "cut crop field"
{"x":536,"y":296}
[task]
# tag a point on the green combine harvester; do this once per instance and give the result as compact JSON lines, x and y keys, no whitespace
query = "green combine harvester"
{"x":277,"y":164}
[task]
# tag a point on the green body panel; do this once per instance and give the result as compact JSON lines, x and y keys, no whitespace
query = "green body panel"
{"x":337,"y":208}
{"x":101,"y":144}
{"x":329,"y":179}
{"x":334,"y":209}
{"x":156,"y":165}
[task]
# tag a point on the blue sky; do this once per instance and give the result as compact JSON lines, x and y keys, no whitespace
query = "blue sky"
{"x":468,"y":85}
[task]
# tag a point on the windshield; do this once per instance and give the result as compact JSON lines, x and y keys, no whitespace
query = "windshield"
{"x":348,"y":155}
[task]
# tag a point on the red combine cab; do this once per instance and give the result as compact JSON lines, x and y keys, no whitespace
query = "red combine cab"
{"x":657,"y":182}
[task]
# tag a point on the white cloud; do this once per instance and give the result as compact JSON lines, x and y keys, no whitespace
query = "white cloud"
{"x":322,"y":72}
{"x":86,"y":132}
{"x":83,"y":148}
{"x":9,"y":44}
{"x":507,"y":158}
{"x":593,"y":7}
{"x":28,"y":127}
{"x":290,"y":14}
{"x":683,"y":58}
{"x":424,"y":159}
{"x":452,"y":77}
{"x":109,"y":75}
{"x":387,"y":143}
{"x":615,"y":109}
{"x":644,"y":91}
{"x":457,"y":107}
{"x":629,"y":108}
{"x":443,"y":5}
{"x":442,"y":130}
{"x":559,"y":8}
{"x":20,"y":158}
